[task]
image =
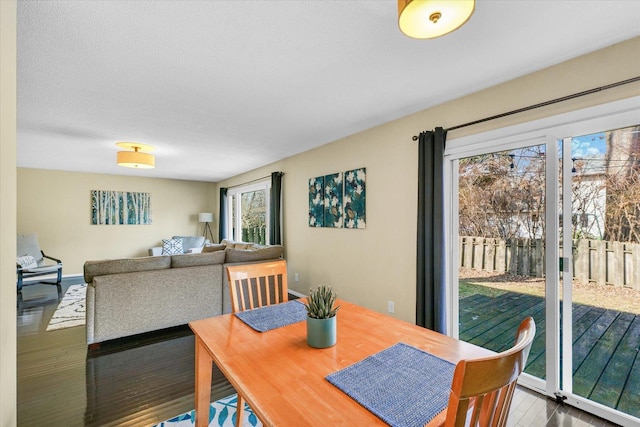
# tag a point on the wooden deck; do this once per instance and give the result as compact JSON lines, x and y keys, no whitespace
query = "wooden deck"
{"x":606,"y":343}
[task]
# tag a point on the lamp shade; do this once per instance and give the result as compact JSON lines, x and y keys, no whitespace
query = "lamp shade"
{"x":135,"y":158}
{"x":205,"y":217}
{"x":427,"y":19}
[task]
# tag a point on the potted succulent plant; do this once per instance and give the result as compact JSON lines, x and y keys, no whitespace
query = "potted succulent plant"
{"x":321,"y":317}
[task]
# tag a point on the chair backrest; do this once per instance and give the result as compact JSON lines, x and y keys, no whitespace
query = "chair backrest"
{"x":257,"y":285}
{"x":482,"y":389}
{"x":27,"y":244}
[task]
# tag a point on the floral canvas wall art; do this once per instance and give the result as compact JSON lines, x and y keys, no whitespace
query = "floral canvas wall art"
{"x":316,"y":202}
{"x":333,"y":195}
{"x":120,"y":207}
{"x":355,"y":198}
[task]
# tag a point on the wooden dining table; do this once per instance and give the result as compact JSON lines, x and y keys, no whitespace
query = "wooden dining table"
{"x":283,"y":379}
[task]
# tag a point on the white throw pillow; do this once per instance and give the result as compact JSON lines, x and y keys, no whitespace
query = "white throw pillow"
{"x":27,"y":261}
{"x":172,"y":247}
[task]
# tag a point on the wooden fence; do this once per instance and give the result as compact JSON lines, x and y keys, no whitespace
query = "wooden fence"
{"x":254,"y":235}
{"x":594,"y":261}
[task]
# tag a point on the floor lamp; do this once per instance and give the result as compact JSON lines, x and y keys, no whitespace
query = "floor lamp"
{"x":206,"y":217}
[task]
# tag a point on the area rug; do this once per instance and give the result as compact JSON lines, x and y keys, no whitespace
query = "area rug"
{"x":222,"y":413}
{"x":70,"y":311}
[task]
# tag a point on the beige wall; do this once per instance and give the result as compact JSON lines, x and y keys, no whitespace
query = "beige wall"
{"x":372,"y":266}
{"x":57,"y":206}
{"x":7,"y":213}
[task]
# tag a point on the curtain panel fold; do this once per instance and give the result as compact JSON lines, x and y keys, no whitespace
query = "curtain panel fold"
{"x":222,"y":215}
{"x":430,"y":275}
{"x":275,"y":209}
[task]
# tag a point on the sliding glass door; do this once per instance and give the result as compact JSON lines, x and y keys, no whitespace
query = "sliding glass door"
{"x":601,"y":296}
{"x":546,"y":223}
{"x":501,"y":227}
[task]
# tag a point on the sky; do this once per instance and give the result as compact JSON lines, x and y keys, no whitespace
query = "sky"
{"x":594,"y":145}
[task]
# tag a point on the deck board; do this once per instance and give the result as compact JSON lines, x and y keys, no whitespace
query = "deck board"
{"x":509,"y":324}
{"x":608,"y":390}
{"x":606,"y":344}
{"x":630,"y":394}
{"x":592,"y":370}
{"x":492,"y":315}
{"x":585,"y":344}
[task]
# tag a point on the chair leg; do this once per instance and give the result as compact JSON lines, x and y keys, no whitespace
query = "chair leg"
{"x":239,"y":411}
{"x":58,"y":284}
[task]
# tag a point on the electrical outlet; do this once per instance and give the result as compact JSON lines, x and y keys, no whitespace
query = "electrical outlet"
{"x":390,"y":307}
{"x":296,"y":277}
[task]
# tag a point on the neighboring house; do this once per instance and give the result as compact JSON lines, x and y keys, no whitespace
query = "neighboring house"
{"x":589,"y":198}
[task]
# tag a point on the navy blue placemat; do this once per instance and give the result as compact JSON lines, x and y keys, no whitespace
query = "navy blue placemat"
{"x":274,"y":316}
{"x":401,"y":385}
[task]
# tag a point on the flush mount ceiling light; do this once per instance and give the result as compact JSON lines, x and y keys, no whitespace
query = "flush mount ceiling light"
{"x":136,"y":158}
{"x":427,"y":19}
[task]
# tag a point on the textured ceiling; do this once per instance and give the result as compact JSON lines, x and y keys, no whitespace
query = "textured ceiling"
{"x":223,"y":87}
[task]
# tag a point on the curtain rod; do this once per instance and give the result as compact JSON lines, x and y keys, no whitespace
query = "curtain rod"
{"x":252,"y":181}
{"x":542,"y":104}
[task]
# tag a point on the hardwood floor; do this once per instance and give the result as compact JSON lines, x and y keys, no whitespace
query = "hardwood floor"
{"x":147,"y":379}
{"x":139,"y":381}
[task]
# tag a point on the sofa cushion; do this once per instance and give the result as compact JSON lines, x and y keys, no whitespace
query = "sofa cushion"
{"x":256,"y":254}
{"x":237,"y":245}
{"x":172,"y":246}
{"x":193,"y":260}
{"x":124,"y":265}
{"x":213,"y":248}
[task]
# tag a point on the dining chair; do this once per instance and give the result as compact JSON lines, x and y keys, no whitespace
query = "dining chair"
{"x":253,"y":286}
{"x":257,"y":285}
{"x":482,"y":389}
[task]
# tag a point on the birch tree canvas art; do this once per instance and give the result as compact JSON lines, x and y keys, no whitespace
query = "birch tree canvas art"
{"x":120,"y":207}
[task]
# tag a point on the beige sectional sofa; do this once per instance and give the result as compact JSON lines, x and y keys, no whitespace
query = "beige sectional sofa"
{"x":136,"y":295}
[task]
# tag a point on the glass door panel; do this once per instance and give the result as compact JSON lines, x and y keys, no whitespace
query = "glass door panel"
{"x":605,"y":256}
{"x":501,"y":227}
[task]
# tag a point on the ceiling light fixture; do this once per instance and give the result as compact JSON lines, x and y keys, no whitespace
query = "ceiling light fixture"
{"x":135,"y":158}
{"x":427,"y":19}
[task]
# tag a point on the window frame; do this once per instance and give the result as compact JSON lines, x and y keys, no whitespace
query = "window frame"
{"x":234,"y":198}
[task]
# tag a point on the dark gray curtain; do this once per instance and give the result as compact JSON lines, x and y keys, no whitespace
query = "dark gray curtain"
{"x":222,"y":215}
{"x":275,"y":209}
{"x":430,"y":277}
